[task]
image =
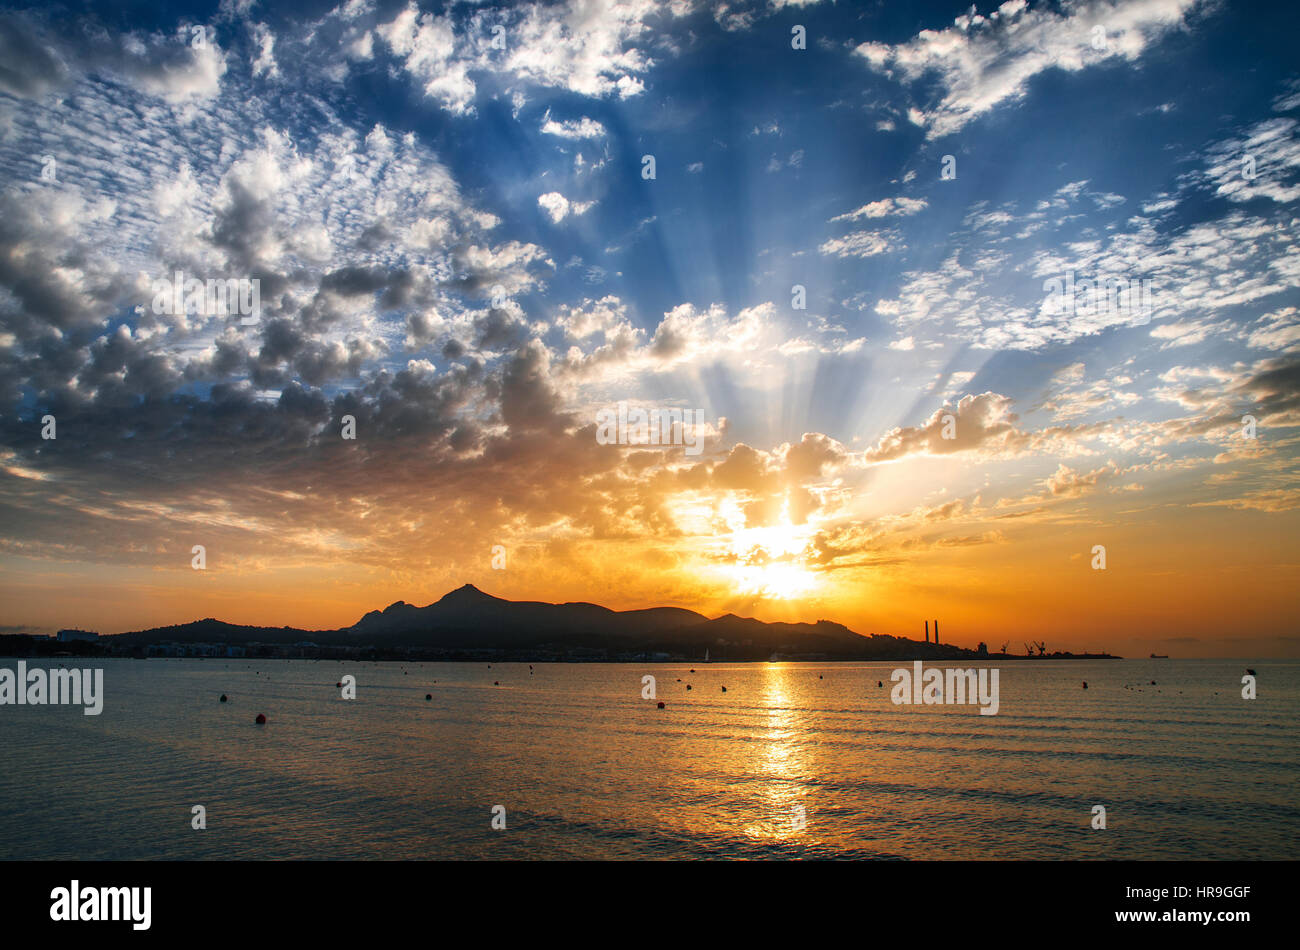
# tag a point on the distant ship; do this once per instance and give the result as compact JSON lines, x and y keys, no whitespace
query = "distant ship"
{"x":706,"y":656}
{"x":1159,"y":656}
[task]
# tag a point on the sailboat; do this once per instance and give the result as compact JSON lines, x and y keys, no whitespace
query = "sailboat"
{"x":706,"y":654}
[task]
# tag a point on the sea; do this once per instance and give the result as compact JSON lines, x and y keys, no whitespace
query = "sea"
{"x":561,"y":761}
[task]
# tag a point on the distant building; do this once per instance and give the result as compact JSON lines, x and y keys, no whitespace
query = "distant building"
{"x":67,"y":636}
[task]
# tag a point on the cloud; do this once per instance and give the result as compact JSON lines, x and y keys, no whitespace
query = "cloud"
{"x":36,"y":60}
{"x":862,"y":244}
{"x":1067,"y":483}
{"x":583,"y":128}
{"x":30,"y":66}
{"x":1279,"y":330}
{"x":432,"y":54}
{"x":883,"y":208}
{"x":981,"y":62}
{"x":558,"y":207}
{"x":1273,"y":500}
{"x":983,"y":425}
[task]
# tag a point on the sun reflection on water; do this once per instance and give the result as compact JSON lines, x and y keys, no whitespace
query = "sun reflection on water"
{"x":782,"y":765}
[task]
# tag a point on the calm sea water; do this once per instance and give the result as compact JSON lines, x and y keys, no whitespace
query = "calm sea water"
{"x":586,"y":768}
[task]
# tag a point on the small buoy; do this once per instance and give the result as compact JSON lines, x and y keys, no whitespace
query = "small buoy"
{"x":724,"y":689}
{"x":688,"y":685}
{"x":878,"y":683}
{"x":1250,"y":671}
{"x":496,"y":683}
{"x":223,"y":697}
{"x":821,"y":677}
{"x":260,"y":720}
{"x":339,"y":684}
{"x":1153,"y":682}
{"x":1085,"y":684}
{"x":661,"y":705}
{"x":428,"y":696}
{"x":692,"y":671}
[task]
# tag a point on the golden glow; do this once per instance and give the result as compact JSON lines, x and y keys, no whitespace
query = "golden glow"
{"x":782,"y":763}
{"x":767,"y":561}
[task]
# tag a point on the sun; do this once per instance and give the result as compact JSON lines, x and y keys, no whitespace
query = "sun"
{"x":768,"y":561}
{"x":773,"y":581}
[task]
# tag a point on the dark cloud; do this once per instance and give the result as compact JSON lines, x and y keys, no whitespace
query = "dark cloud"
{"x":28,"y":67}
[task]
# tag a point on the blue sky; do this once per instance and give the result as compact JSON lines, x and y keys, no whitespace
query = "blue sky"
{"x":381,"y":168}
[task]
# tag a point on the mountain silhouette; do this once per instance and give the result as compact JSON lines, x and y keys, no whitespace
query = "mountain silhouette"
{"x":467,"y":619}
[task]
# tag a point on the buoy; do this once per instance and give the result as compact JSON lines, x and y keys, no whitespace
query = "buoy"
{"x":661,"y":705}
{"x":496,"y":683}
{"x":339,"y":684}
{"x":692,"y":671}
{"x":260,"y":720}
{"x":878,"y":683}
{"x":428,"y":696}
{"x":724,"y":689}
{"x":1085,"y":684}
{"x":821,"y":677}
{"x":223,"y":697}
{"x":1153,"y":682}
{"x":688,"y":685}
{"x":1250,"y":671}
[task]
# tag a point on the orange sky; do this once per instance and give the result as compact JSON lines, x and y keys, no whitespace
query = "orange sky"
{"x":1182,"y":577}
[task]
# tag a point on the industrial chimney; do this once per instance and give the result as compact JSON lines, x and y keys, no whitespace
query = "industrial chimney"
{"x":927,"y":631}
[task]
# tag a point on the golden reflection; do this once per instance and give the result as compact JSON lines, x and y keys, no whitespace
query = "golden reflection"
{"x":782,"y":763}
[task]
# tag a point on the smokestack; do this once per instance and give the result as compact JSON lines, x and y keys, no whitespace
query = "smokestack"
{"x":936,"y":631}
{"x":927,"y":631}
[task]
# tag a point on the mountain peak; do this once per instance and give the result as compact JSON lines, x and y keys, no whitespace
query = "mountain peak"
{"x":466,"y":595}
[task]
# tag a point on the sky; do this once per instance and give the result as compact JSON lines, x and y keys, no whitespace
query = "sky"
{"x":854,"y":244}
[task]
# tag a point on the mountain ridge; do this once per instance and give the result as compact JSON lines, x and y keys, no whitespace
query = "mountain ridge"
{"x":468,"y":619}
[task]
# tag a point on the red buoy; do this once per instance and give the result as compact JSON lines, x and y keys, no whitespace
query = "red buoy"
{"x":260,"y":720}
{"x":661,"y":705}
